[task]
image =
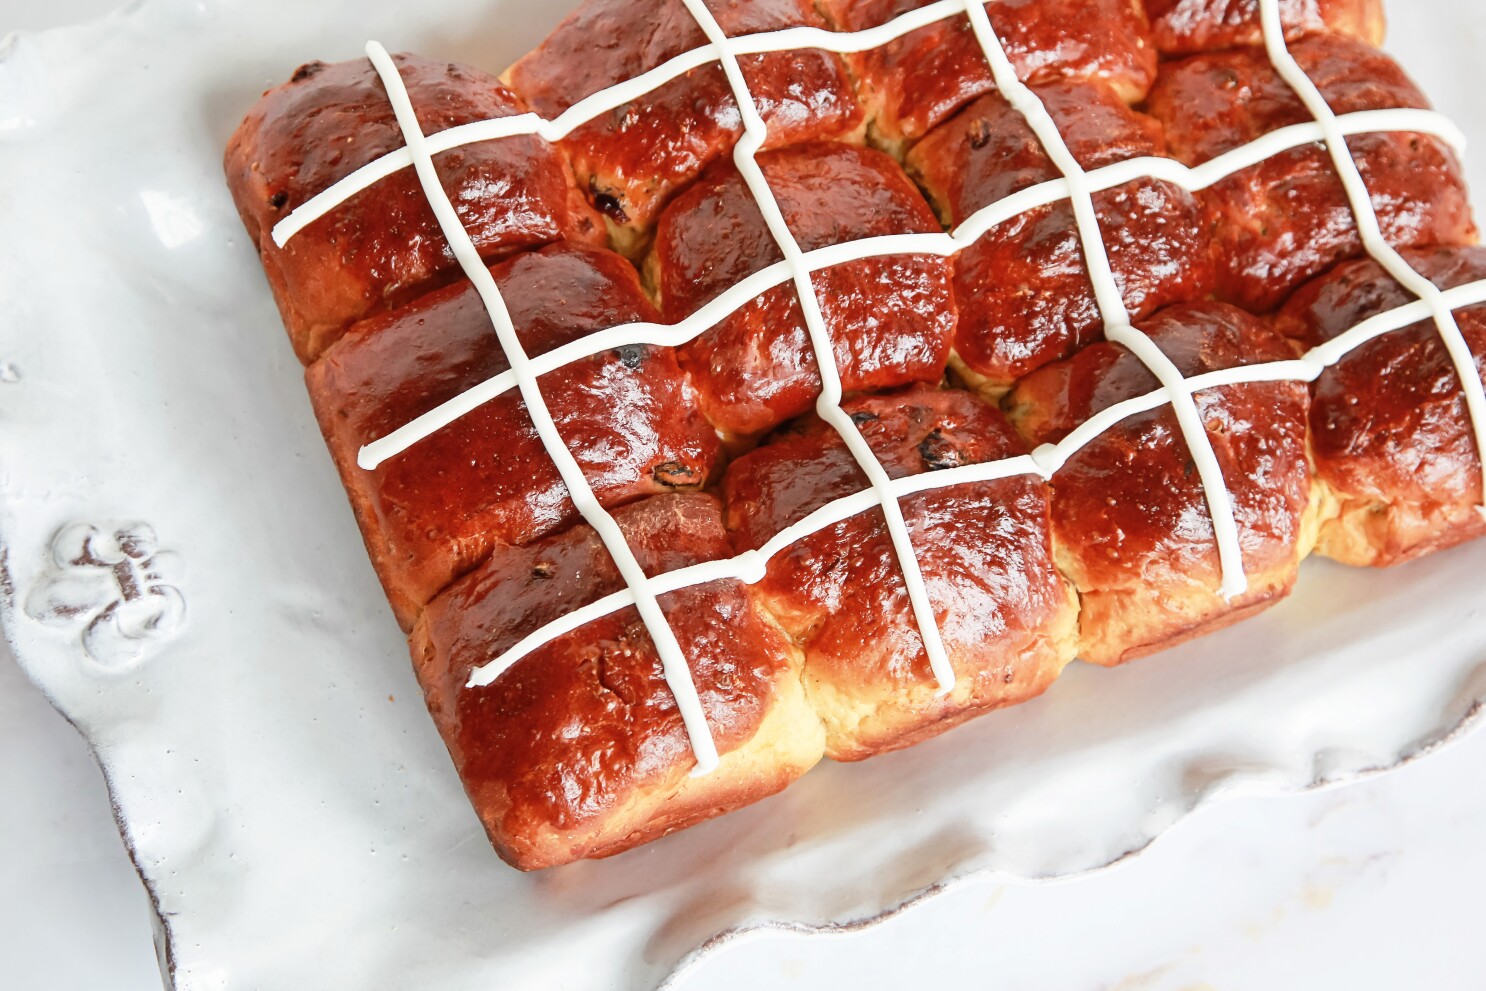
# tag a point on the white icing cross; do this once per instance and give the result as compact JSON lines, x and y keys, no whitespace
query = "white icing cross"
{"x":597,"y":104}
{"x":1076,"y":186}
{"x":1045,"y":461}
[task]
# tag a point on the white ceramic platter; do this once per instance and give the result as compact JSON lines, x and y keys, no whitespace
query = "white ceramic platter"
{"x":281,"y":788}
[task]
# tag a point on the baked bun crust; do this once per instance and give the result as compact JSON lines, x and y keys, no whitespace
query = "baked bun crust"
{"x":1182,"y":27}
{"x":485,"y":480}
{"x":1390,"y":435}
{"x":578,"y":750}
{"x":1131,"y":526}
{"x":920,"y":80}
{"x":1008,"y":619}
{"x":631,"y":161}
{"x":891,"y":319}
{"x":1284,"y":221}
{"x":1023,"y":288}
{"x":383,"y":248}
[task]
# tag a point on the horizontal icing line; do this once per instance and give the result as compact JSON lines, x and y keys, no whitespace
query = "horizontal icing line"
{"x":597,"y":104}
{"x":1362,"y":122}
{"x":1366,"y":219}
{"x":972,"y":229}
{"x":844,"y":42}
{"x":1044,"y":462}
{"x":487,"y":673}
{"x":659,"y":334}
{"x":1401,"y":119}
{"x":334,"y":195}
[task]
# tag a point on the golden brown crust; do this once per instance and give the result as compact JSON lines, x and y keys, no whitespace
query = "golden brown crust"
{"x":914,"y":83}
{"x":1282,"y":222}
{"x":431,"y":513}
{"x":1023,"y":290}
{"x":631,"y":161}
{"x":1369,"y":533}
{"x":891,"y":319}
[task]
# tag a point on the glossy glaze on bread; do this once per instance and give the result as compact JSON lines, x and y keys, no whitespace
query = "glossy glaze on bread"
{"x":1287,"y":220}
{"x":916,"y":82}
{"x":1023,"y":291}
{"x":384,"y":249}
{"x":707,"y":448}
{"x":1128,"y":509}
{"x":891,"y":319}
{"x":1007,"y":615}
{"x":484,"y":481}
{"x":631,"y":162}
{"x":1389,"y":431}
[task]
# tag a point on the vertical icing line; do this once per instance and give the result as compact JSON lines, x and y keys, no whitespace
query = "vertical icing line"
{"x":828,"y":404}
{"x":1117,"y":324}
{"x":1371,"y":232}
{"x":673,"y":660}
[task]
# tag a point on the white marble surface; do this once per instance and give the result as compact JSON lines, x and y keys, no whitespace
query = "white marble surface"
{"x":1371,"y":886}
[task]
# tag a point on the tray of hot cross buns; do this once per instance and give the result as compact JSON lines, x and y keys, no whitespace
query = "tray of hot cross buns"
{"x":1074,"y":407}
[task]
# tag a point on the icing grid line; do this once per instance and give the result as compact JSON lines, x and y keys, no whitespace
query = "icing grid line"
{"x":1371,"y":232}
{"x":828,"y":403}
{"x":1192,"y":178}
{"x":673,"y":660}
